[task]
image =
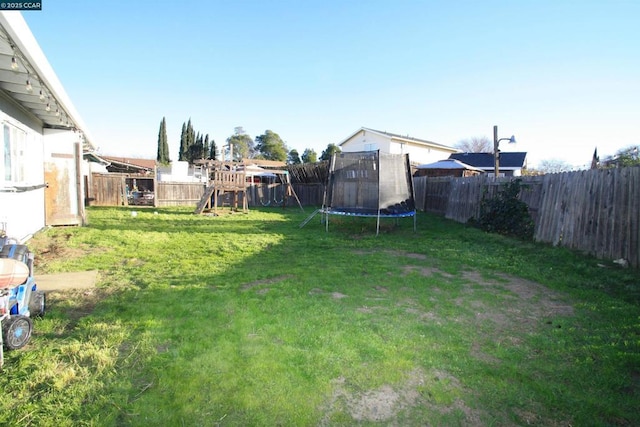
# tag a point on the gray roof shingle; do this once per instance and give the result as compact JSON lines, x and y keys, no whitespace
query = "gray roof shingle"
{"x":485,"y":160}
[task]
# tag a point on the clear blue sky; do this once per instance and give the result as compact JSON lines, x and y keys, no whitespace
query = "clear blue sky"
{"x":563,"y":76}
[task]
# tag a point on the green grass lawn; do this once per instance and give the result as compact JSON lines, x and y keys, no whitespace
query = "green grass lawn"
{"x":248,"y":319}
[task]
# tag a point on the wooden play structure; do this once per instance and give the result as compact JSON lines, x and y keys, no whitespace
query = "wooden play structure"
{"x":234,"y":179}
{"x":223,"y":178}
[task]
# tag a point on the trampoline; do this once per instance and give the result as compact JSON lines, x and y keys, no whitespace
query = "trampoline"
{"x":369,"y":184}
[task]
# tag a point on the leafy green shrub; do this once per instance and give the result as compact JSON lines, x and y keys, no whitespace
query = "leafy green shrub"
{"x":505,"y":213}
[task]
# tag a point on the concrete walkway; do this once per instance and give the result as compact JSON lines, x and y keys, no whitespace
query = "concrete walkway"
{"x":62,"y":281}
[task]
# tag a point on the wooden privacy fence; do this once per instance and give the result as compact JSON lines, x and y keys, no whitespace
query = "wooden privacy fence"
{"x":109,"y":190}
{"x":595,"y":211}
{"x":309,"y":194}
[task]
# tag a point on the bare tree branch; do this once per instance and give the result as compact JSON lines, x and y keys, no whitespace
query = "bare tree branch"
{"x":475,"y":144}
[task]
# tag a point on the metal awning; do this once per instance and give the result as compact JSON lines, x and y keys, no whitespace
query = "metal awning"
{"x":449,"y":164}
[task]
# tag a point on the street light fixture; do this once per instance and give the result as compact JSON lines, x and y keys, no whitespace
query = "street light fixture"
{"x":496,"y":151}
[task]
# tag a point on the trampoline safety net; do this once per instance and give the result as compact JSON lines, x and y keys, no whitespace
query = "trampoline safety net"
{"x":370,"y":183}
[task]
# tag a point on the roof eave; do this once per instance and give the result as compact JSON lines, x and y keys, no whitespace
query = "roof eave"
{"x":16,"y":27}
{"x":400,"y":138}
{"x":352,"y":135}
{"x":426,"y":143}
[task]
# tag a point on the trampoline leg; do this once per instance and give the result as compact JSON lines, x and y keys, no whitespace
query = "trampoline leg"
{"x":378,"y":224}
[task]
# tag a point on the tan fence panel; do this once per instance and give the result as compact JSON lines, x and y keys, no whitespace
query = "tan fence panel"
{"x":179,"y":193}
{"x":434,"y":197}
{"x":464,"y":201}
{"x":107,"y":190}
{"x":596,"y":211}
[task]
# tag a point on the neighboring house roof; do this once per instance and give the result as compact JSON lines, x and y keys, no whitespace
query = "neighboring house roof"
{"x":449,"y":164}
{"x":264,"y":163}
{"x":485,"y":161}
{"x":130,"y":164}
{"x":93,"y":157}
{"x":401,"y":138}
{"x":45,"y":98}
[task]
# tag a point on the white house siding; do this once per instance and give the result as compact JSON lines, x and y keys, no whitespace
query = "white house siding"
{"x":179,"y":171}
{"x":366,"y":140}
{"x":24,"y":215}
{"x":419,"y":154}
{"x":22,"y":210}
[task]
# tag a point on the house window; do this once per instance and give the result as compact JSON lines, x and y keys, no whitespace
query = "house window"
{"x":14,"y":156}
{"x":370,"y":147}
{"x":356,"y":174}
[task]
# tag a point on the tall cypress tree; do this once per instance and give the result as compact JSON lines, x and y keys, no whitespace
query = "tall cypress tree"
{"x":163,"y":144}
{"x":205,"y":147}
{"x":160,"y":147}
{"x":191,"y":140}
{"x":191,"y":134}
{"x":196,"y":149}
{"x":184,"y":148}
{"x":213,"y":153}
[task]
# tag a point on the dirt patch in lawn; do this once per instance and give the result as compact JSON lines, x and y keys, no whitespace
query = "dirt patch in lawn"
{"x":503,"y":307}
{"x":524,"y":299}
{"x":421,"y":257}
{"x":262,"y":282}
{"x":381,"y":404}
{"x":49,"y":248}
{"x":387,"y":402}
{"x":423,"y":271}
{"x":334,"y":295}
{"x":508,"y":302}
